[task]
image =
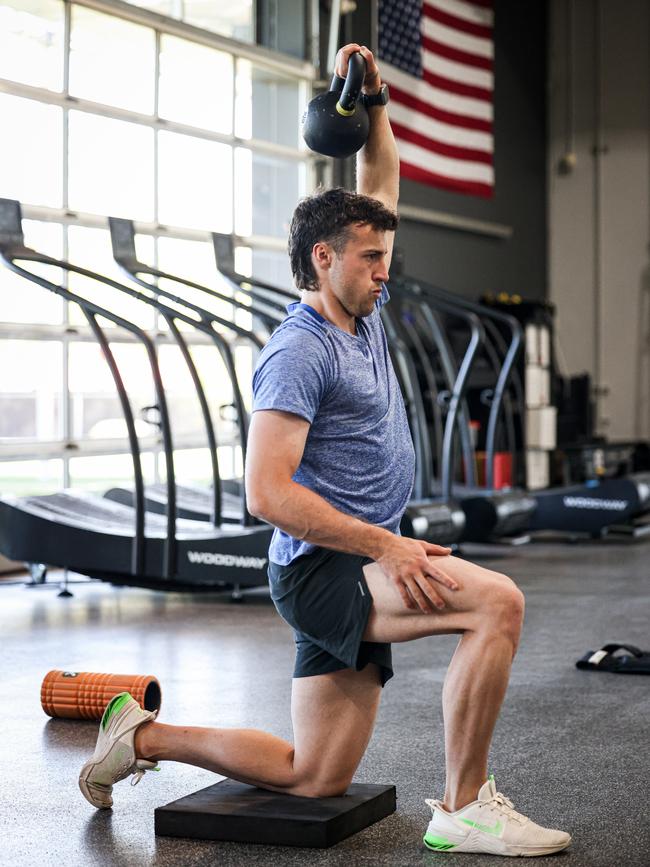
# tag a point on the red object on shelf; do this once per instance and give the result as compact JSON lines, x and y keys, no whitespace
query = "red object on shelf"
{"x":502,"y":469}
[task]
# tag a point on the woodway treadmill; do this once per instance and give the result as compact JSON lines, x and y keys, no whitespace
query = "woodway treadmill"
{"x":617,"y":506}
{"x":193,"y":502}
{"x":125,"y":545}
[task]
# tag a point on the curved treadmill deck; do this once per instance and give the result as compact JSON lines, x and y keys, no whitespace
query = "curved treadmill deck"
{"x":193,"y":503}
{"x":94,"y":536}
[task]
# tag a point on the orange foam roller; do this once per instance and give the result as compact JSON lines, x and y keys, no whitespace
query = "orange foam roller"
{"x":85,"y":694}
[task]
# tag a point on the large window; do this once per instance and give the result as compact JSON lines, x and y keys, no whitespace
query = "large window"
{"x":111,"y":110}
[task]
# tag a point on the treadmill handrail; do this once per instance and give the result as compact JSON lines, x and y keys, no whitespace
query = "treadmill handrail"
{"x":506,"y":369}
{"x":224,"y":254}
{"x":204,"y":326}
{"x":133,"y":267}
{"x":431,"y":320}
{"x":412,"y":397}
{"x":461,"y":381}
{"x":16,"y":251}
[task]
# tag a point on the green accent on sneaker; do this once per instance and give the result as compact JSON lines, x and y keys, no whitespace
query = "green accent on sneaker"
{"x":491,"y":778}
{"x":496,"y":830}
{"x":439,"y":844}
{"x":114,"y":706}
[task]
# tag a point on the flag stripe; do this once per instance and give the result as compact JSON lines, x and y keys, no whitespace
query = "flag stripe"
{"x":470,"y":12}
{"x":439,"y":114}
{"x":474,"y":188}
{"x":446,"y":150}
{"x":449,"y":20}
{"x":442,"y":96}
{"x":457,"y":40}
{"x":457,"y":71}
{"x":439,"y":164}
{"x":448,"y":134}
{"x":457,"y":87}
{"x":456,"y":55}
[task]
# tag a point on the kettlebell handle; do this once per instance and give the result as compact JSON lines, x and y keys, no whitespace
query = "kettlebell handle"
{"x":349,"y":87}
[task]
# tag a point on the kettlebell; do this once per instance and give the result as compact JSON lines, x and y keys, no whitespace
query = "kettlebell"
{"x":336,"y":123}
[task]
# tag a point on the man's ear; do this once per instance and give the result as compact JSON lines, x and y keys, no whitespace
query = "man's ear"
{"x":322,"y":255}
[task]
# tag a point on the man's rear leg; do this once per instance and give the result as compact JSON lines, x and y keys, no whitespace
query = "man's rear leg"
{"x":333,"y":718}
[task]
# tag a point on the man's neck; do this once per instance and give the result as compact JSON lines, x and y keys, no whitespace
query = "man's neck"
{"x":330,"y":308}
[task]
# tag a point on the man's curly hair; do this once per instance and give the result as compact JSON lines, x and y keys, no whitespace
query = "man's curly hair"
{"x":328,"y":216}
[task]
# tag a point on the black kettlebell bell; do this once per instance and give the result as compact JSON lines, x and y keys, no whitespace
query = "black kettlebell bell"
{"x":336,"y":123}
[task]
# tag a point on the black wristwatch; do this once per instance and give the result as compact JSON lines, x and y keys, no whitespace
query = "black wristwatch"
{"x":380,"y":98}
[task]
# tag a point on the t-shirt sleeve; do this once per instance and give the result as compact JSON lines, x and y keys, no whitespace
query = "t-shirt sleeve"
{"x":293,"y":374}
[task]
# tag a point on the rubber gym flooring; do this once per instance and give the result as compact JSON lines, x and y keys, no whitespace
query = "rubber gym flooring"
{"x":570,"y":750}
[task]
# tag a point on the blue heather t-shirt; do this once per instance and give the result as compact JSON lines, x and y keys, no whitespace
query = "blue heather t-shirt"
{"x":358,"y":454}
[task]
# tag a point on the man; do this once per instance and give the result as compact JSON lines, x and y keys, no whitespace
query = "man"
{"x":330,"y":463}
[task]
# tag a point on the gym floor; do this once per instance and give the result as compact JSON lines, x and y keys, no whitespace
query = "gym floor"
{"x":569,"y":749}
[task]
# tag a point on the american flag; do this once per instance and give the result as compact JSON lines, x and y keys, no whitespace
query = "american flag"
{"x":437,"y":58}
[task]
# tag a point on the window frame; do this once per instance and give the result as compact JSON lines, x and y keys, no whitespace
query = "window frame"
{"x":315,"y":169}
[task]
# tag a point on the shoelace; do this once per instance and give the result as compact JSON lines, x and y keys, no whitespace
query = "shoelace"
{"x":139,"y":773}
{"x":504,"y":805}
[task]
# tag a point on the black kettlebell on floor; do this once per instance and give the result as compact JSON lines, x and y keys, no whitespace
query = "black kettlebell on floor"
{"x":336,"y":123}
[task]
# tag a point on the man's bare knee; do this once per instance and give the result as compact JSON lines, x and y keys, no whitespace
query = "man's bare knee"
{"x":325,"y":787}
{"x":504,"y":608}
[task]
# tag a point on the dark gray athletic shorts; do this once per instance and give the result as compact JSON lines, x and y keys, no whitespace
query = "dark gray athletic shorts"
{"x":324,"y":597}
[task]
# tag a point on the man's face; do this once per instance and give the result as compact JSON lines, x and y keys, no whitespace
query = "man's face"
{"x":359,"y":270}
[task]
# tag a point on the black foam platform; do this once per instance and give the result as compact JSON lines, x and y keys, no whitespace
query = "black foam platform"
{"x":238,"y":813}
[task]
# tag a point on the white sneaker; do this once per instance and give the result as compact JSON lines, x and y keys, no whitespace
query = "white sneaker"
{"x":114,"y":757}
{"x":490,"y":824}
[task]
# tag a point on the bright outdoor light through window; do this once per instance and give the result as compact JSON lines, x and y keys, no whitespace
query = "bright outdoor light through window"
{"x":269,"y":105}
{"x":22,"y":301}
{"x":232,"y":18}
{"x":195,"y":182}
{"x":30,"y":477}
{"x":31,"y":42}
{"x":31,"y":151}
{"x":96,"y":410}
{"x":190,"y":72}
{"x":94,"y":72}
{"x":183,"y":133}
{"x":31,"y":386}
{"x":108,"y":471}
{"x":111,"y":167}
{"x":91,"y":249}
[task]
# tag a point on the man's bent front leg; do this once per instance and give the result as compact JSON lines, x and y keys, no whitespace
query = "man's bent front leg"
{"x":488,"y":612}
{"x":333,"y":717}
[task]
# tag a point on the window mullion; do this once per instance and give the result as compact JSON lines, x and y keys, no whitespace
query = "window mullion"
{"x":66,"y":399}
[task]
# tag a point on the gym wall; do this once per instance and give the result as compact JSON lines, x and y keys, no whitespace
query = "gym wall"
{"x":472,"y":263}
{"x":599,"y":178}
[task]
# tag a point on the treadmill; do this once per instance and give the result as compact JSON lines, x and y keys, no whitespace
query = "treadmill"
{"x":491,"y":515}
{"x":192,"y":501}
{"x":88,"y":534}
{"x":595,"y":508}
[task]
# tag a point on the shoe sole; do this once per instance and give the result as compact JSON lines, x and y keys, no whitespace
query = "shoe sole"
{"x":85,"y":788}
{"x":498,"y":849}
